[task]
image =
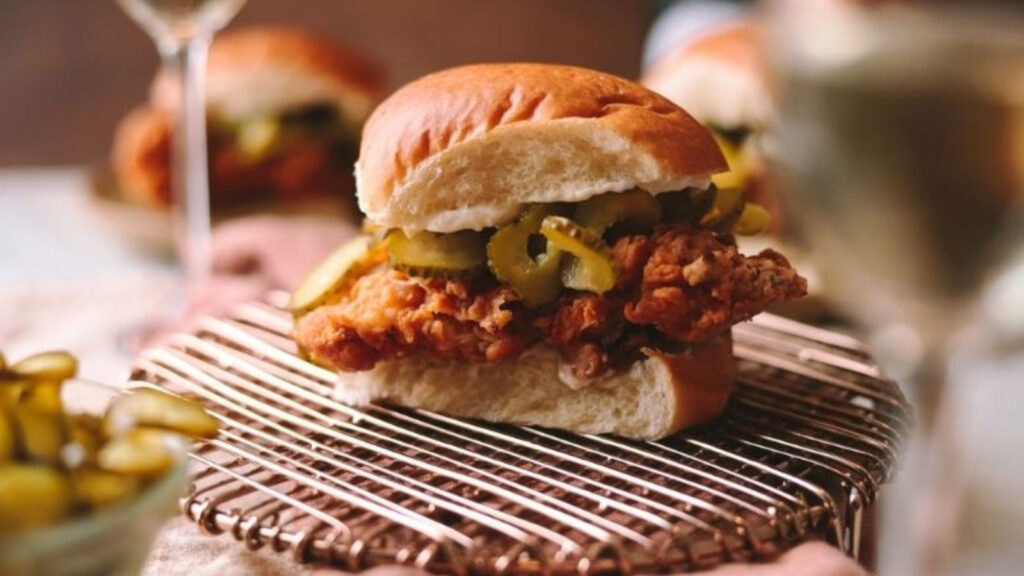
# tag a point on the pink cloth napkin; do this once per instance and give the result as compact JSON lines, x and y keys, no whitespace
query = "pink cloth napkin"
{"x":253,"y":255}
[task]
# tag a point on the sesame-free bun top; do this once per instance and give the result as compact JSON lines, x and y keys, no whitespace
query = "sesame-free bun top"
{"x":466,"y":148}
{"x":268,"y":70}
{"x":719,"y":76}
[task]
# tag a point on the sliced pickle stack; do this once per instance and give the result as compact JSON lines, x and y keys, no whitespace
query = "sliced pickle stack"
{"x":456,"y":255}
{"x":637,"y":208}
{"x":729,"y":212}
{"x":725,"y":209}
{"x":738,"y":165}
{"x":591,"y":267}
{"x":536,"y":278}
{"x":548,"y":248}
{"x":55,"y":465}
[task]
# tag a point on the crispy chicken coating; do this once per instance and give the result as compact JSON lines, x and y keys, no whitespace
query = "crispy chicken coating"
{"x":677,"y":286}
{"x":694,"y":286}
{"x":388,"y":314}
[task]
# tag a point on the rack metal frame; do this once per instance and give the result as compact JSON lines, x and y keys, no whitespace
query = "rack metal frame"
{"x":812,"y":432}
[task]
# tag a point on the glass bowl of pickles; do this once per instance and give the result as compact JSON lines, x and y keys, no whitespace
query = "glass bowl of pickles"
{"x":84,"y":491}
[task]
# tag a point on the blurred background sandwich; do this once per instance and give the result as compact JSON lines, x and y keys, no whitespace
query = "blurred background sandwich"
{"x":284,"y":111}
{"x":707,"y":58}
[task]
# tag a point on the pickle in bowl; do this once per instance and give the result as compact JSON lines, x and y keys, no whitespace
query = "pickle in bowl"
{"x":80,"y":493}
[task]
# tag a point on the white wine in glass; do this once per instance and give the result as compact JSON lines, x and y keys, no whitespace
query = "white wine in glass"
{"x":902,"y":135}
{"x":182,"y":31}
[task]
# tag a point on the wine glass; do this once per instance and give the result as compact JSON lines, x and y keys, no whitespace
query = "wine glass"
{"x":182,"y":31}
{"x":902,"y":139}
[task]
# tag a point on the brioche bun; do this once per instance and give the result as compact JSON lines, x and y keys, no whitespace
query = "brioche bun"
{"x":719,"y":76}
{"x":268,"y":70}
{"x":465,"y":148}
{"x":656,"y":397}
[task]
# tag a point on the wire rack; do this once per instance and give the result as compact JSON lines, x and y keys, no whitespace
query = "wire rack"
{"x":811,"y":433}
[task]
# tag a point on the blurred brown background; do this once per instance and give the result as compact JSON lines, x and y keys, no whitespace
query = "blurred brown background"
{"x":70,"y":69}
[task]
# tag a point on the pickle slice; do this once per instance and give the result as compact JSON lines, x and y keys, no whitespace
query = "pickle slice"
{"x":727,"y":208}
{"x":753,"y":220}
{"x":259,"y":137}
{"x":43,"y":396}
{"x":11,"y":391}
{"x":57,"y":365}
{"x":333,"y":274}
{"x":535,"y":279}
{"x":437,"y":255}
{"x":100,"y":488}
{"x":32,"y":496}
{"x":40,"y":434}
{"x":736,"y":160}
{"x":85,"y":431}
{"x":636,"y":208}
{"x":576,"y":274}
{"x":157,"y":409}
{"x":141,"y":451}
{"x":594,"y":270}
{"x":8,"y":440}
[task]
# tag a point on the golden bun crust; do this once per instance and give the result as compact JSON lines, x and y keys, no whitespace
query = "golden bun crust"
{"x":704,"y":379}
{"x":466,"y":147}
{"x":719,"y":76}
{"x":265,"y":70}
{"x":656,"y":397}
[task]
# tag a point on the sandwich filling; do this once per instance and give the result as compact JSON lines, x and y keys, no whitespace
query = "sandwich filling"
{"x":604,"y":282}
{"x":286,"y":155}
{"x":742,"y":148}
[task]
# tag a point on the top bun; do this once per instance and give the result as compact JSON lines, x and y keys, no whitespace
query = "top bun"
{"x":267,"y":70}
{"x":465,"y":148}
{"x":719,"y":76}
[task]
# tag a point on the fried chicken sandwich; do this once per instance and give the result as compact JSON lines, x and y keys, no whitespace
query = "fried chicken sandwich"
{"x":544,"y":247}
{"x":284,"y":110}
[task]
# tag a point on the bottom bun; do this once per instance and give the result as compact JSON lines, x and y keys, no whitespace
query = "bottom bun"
{"x":658,"y":396}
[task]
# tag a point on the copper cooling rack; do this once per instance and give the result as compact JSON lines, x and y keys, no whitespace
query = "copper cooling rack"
{"x":812,"y":432}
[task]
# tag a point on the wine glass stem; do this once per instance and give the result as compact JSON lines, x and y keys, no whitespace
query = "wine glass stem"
{"x":920,"y":525}
{"x":190,"y":180}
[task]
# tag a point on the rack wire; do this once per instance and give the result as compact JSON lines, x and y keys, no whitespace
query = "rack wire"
{"x":811,"y":433}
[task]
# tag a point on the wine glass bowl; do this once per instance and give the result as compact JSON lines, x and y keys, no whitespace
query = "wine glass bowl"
{"x":174,"y":22}
{"x":902,"y":138}
{"x":901,"y":152}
